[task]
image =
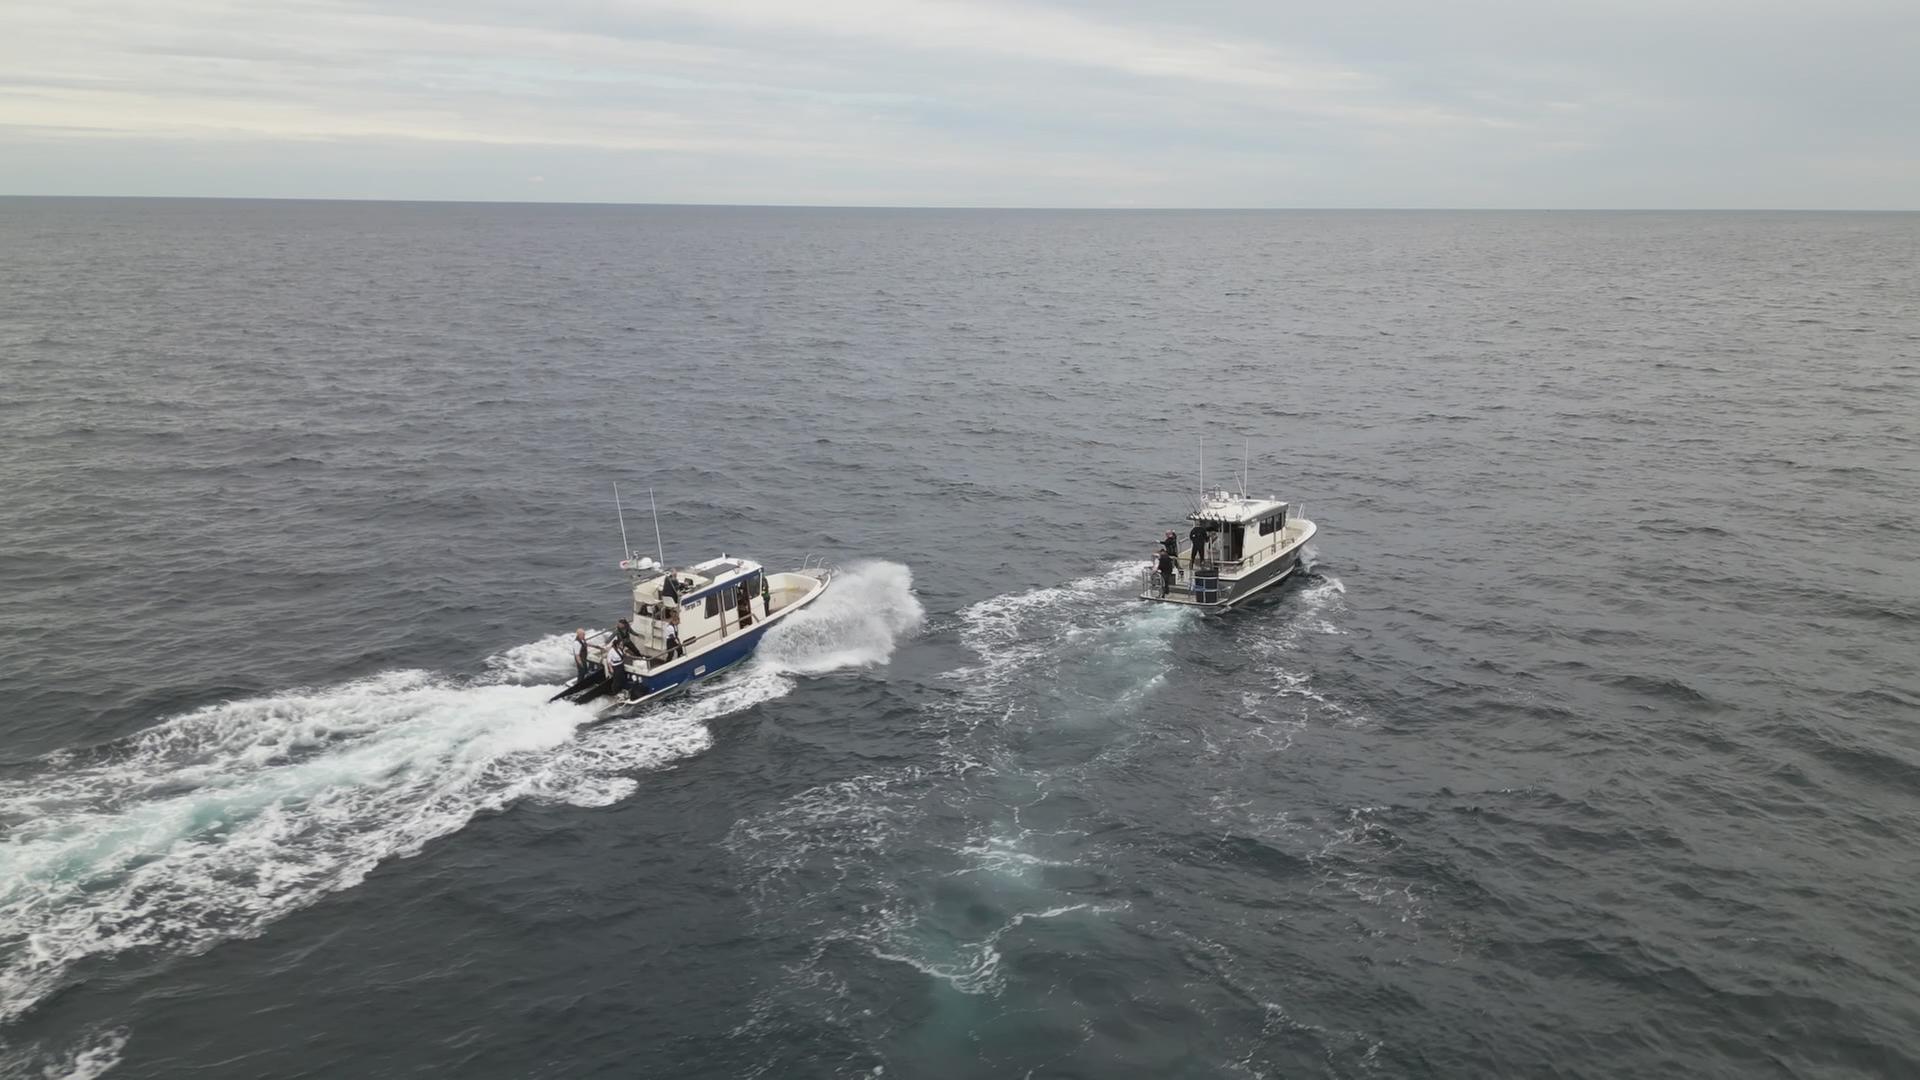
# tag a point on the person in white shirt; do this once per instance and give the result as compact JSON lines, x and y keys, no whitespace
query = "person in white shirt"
{"x":582,"y":663}
{"x":615,"y":660}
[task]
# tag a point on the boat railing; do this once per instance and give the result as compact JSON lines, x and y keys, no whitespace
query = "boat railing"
{"x":1229,"y":567}
{"x":1205,"y":587}
{"x":1181,"y":585}
{"x":1186,"y":569}
{"x":809,"y":563}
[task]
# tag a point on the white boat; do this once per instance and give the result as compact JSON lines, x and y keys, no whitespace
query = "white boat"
{"x":720,"y":611}
{"x":1252,"y":544}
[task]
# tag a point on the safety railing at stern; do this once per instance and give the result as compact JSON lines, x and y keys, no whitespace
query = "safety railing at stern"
{"x":1150,"y":585}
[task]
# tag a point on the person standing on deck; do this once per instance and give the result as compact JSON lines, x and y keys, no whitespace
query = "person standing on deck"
{"x":623,"y":632}
{"x":674,"y":650}
{"x":1166,"y":570}
{"x":766,"y":595}
{"x":582,"y":663}
{"x":616,"y":664}
{"x":1199,"y":538}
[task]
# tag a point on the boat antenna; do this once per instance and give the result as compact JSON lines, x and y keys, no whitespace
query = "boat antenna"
{"x":658,"y":546}
{"x":1203,"y":468}
{"x":1246,"y":461}
{"x":625,"y":552}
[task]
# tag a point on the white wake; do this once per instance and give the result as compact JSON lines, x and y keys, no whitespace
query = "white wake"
{"x":212,"y":824}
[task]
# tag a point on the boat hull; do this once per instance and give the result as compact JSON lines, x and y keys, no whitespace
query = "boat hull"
{"x":1219,"y":593}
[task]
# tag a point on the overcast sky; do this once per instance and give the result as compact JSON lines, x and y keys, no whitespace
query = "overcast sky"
{"x":1629,"y":103}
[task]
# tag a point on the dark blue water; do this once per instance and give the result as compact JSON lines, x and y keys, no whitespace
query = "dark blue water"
{"x":1588,"y":746}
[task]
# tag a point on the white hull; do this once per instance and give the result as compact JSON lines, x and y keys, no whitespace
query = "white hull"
{"x":1217,"y":586}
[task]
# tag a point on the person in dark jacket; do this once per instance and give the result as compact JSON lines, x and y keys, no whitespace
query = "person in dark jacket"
{"x":624,"y":632}
{"x":1166,"y":570}
{"x":1199,"y":538}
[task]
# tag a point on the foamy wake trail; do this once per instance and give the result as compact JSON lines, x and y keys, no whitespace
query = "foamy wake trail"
{"x":212,"y":824}
{"x":1313,"y":610}
{"x":96,"y":1053}
{"x":1091,"y":630}
{"x":850,"y":861}
{"x":998,"y":620}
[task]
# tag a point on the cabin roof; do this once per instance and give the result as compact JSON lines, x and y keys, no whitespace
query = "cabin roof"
{"x":1221,"y":508}
{"x":697,"y":581}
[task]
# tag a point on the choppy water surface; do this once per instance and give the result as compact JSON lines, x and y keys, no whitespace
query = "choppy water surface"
{"x":1587,"y":746}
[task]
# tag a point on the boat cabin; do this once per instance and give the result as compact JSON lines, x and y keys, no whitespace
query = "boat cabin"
{"x":701,"y":600}
{"x":1240,"y":530}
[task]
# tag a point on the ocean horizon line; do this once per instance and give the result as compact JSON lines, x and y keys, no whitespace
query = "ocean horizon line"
{"x":982,"y":207}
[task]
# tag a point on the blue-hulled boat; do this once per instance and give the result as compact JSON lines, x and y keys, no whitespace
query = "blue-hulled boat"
{"x":687,"y":625}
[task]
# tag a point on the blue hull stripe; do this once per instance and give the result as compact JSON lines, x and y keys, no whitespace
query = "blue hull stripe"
{"x":691,"y":669}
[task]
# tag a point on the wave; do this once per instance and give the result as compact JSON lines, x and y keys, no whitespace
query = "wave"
{"x":948,"y":869}
{"x":871,"y":863}
{"x":1061,"y":624}
{"x":991,"y":624}
{"x":931,"y":866}
{"x":975,"y":968}
{"x":855,"y":624}
{"x":96,"y":1053}
{"x":215,"y":823}
{"x":1667,"y":689}
{"x":1311,"y":610}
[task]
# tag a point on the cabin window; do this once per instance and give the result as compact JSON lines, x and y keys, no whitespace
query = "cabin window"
{"x":713,"y":604}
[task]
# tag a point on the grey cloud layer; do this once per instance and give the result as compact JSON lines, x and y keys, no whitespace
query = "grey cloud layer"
{"x":943,"y":102}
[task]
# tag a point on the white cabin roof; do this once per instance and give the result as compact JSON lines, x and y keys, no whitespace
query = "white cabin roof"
{"x":695,"y":582}
{"x":1221,"y":507}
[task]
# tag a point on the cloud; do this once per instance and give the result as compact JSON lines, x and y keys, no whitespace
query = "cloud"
{"x":943,"y":101}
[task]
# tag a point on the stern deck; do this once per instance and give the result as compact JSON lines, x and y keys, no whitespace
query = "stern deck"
{"x":1216,"y":583}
